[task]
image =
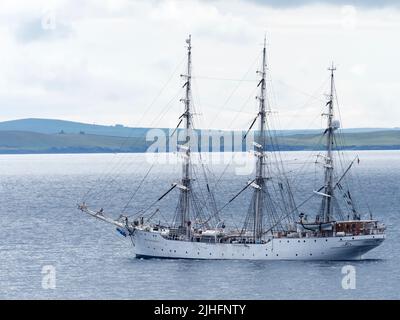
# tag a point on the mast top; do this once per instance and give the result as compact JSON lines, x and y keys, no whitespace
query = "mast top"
{"x":189,"y":41}
{"x":332,"y":68}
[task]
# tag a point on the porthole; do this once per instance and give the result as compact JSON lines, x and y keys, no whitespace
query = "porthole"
{"x":296,"y":254}
{"x":326,"y":240}
{"x":210,"y":253}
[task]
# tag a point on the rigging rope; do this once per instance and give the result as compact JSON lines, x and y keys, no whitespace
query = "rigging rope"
{"x":234,"y":90}
{"x":112,"y":169}
{"x":137,"y":188}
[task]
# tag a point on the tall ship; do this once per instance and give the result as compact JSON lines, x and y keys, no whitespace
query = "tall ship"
{"x":273,"y":229}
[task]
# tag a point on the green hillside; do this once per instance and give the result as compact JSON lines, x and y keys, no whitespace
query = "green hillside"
{"x":361,"y":140}
{"x":50,"y":126}
{"x":33,"y":142}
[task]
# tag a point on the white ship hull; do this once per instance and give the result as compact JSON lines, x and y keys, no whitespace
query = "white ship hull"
{"x":153,"y":245}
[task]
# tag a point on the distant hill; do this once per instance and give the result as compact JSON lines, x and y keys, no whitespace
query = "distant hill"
{"x":363,"y":140}
{"x":52,"y":126}
{"x":14,"y":142}
{"x":19,"y":142}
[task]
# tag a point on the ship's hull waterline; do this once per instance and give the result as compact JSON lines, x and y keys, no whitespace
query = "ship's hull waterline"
{"x":153,"y":245}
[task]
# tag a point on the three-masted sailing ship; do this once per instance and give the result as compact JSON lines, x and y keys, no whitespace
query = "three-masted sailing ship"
{"x":270,"y":231}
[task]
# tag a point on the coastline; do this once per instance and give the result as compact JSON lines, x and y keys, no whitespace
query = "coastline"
{"x":140,"y":150}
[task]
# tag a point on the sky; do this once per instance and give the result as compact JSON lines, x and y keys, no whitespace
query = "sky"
{"x":119,"y":62}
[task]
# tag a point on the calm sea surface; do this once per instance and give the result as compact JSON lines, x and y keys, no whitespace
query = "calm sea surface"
{"x":40,"y":225}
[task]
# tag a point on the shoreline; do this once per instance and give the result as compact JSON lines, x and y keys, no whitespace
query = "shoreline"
{"x":295,"y":149}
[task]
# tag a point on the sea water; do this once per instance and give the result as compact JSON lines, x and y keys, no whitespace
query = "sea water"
{"x":41,"y":230}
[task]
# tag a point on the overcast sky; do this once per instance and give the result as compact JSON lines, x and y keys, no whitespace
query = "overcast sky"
{"x":119,"y":61}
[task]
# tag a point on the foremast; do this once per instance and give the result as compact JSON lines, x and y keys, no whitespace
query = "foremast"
{"x":260,"y":147}
{"x":185,"y":188}
{"x":328,"y":189}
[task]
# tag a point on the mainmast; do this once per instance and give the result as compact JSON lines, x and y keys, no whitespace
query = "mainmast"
{"x":260,"y":154}
{"x":187,"y":116}
{"x":328,"y":194}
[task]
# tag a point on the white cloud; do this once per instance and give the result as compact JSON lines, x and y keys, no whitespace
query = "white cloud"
{"x":106,"y":61}
{"x":358,"y":69}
